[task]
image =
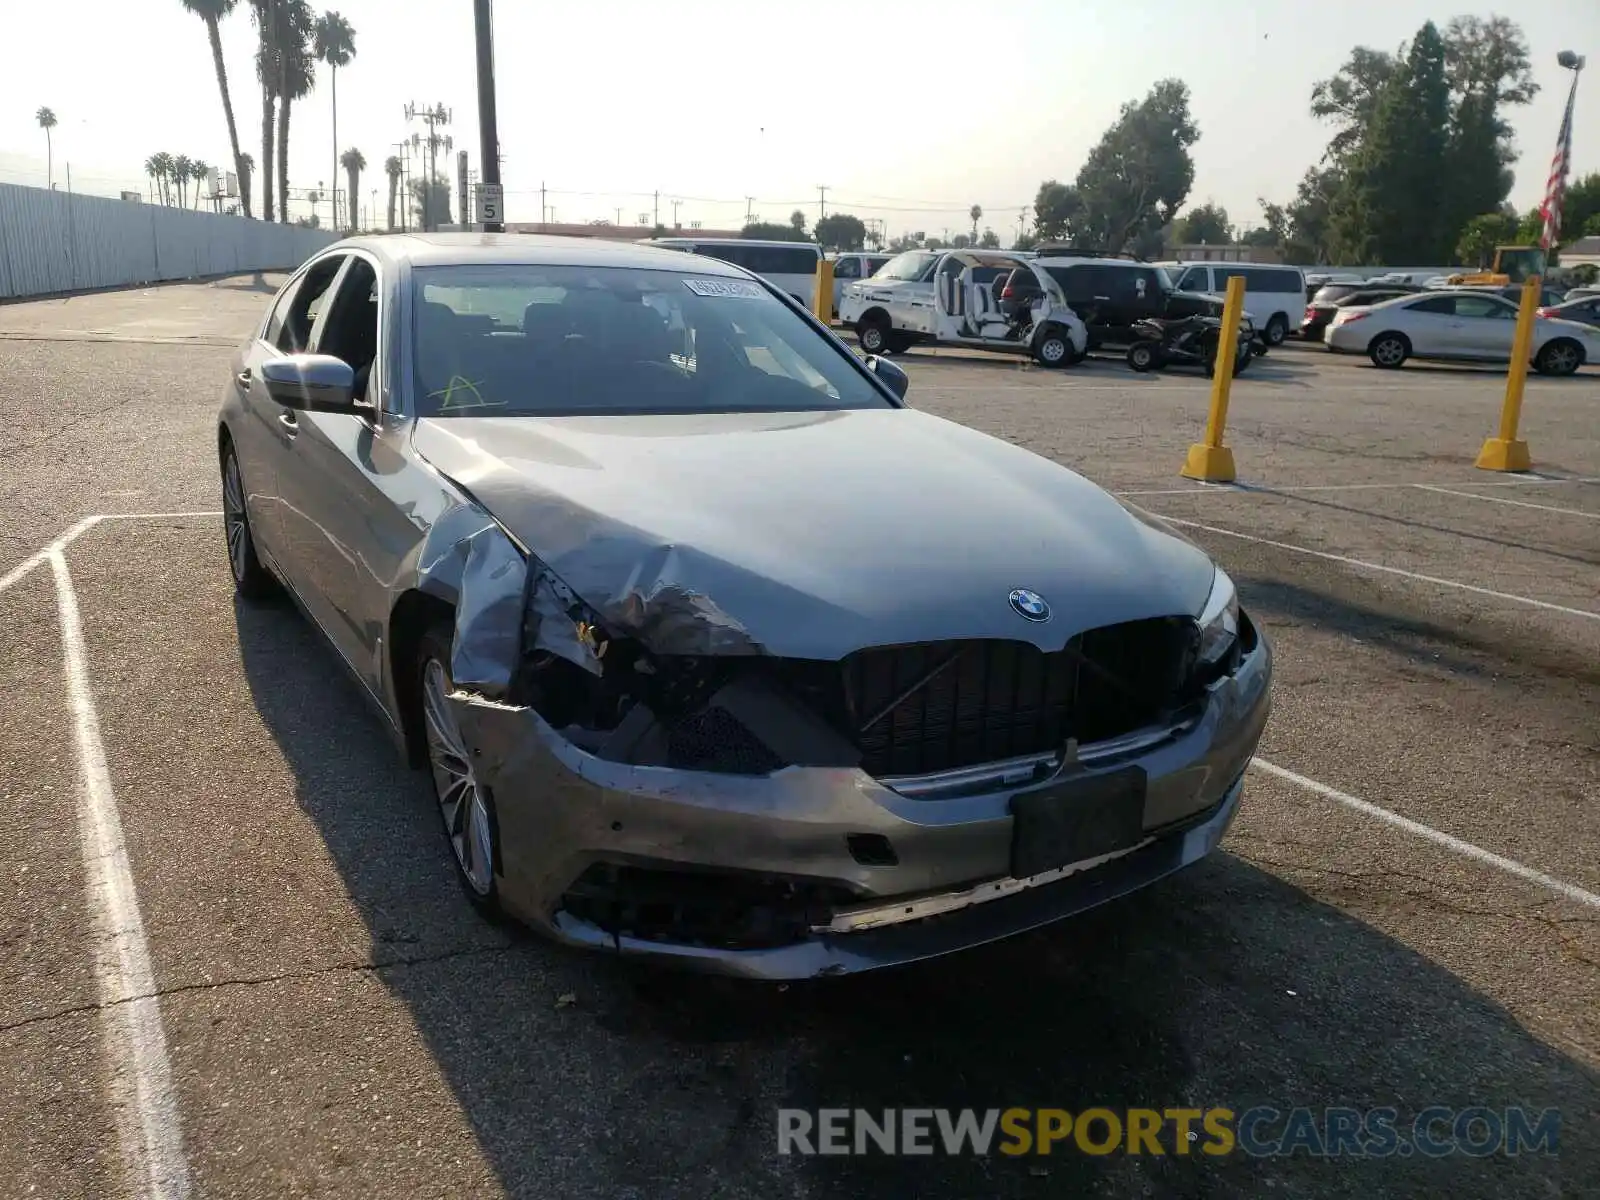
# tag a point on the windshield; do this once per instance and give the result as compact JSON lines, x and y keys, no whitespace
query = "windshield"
{"x":908,"y":266}
{"x":552,"y":340}
{"x":1164,"y":280}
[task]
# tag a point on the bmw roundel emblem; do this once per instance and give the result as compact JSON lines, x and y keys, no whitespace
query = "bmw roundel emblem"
{"x":1030,"y":605}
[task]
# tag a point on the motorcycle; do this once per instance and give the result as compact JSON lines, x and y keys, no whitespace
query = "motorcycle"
{"x":1186,"y":341}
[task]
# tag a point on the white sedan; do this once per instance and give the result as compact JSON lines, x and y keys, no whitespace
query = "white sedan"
{"x":1458,"y":324}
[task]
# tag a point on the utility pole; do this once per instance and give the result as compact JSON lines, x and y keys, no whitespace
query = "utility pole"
{"x":675,"y":204}
{"x":749,"y":209}
{"x":655,"y":210}
{"x":432,"y":117}
{"x":461,"y":188}
{"x":619,"y":218}
{"x":1022,"y":222}
{"x":822,"y":202}
{"x":543,"y":211}
{"x":488,"y":125}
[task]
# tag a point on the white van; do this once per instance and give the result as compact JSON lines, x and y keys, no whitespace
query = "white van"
{"x":1275,"y":296}
{"x":852,"y":266}
{"x":791,"y":266}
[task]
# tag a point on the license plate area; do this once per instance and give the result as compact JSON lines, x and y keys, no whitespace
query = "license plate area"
{"x":1080,"y":818}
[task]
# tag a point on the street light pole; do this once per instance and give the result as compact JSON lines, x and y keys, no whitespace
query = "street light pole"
{"x":488,"y":127}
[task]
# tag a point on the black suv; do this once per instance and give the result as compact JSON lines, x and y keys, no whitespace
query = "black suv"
{"x":1110,"y":295}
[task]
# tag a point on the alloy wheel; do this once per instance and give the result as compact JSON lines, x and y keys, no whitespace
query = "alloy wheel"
{"x":1560,"y":359}
{"x":462,"y":806}
{"x":234,"y":521}
{"x":1389,"y":352}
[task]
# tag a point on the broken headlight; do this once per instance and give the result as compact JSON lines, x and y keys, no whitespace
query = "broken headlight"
{"x":1219,"y":622}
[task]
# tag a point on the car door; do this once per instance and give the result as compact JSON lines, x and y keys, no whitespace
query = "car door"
{"x":346,"y":533}
{"x":1483,"y":328}
{"x":846,"y":270}
{"x":258,"y":439}
{"x":273,"y":426}
{"x":1426,"y":323}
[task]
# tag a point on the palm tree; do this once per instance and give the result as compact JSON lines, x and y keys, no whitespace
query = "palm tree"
{"x":182,"y":172}
{"x":247,"y":166}
{"x":392,"y":168}
{"x":353,"y":162}
{"x":198,"y":171}
{"x":164,"y":174}
{"x":212,"y":12}
{"x":333,"y":41}
{"x":296,"y":78}
{"x":47,"y":121}
{"x":152,"y":167}
{"x":976,"y":213}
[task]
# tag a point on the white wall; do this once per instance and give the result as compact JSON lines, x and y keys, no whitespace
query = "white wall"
{"x":60,"y":242}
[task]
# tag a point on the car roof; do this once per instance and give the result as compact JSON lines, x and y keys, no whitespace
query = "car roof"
{"x":477,"y":249}
{"x":680,"y":239}
{"x":1077,"y":259}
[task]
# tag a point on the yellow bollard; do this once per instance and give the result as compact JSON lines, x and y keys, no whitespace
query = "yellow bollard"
{"x":1210,"y":460}
{"x":1506,"y":453}
{"x":822,"y":302}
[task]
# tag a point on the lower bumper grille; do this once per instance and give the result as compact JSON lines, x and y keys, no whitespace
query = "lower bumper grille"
{"x":989,"y":700}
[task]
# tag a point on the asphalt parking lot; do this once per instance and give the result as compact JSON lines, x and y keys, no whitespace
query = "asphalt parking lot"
{"x":1406,"y":913}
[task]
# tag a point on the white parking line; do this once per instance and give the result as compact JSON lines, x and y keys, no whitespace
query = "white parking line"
{"x":1571,"y":512}
{"x":1268,"y":489}
{"x":142,"y":1097}
{"x":1437,"y":837}
{"x":19,"y":572}
{"x":1380,"y":567}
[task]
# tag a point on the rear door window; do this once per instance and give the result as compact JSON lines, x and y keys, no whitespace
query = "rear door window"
{"x":848,"y":267}
{"x":1443,"y":306}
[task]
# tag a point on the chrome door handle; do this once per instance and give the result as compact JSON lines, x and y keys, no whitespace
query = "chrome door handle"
{"x":288,"y":421}
{"x":243,"y":378}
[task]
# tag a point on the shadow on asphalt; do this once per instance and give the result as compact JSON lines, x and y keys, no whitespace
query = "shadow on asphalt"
{"x":1223,"y":986}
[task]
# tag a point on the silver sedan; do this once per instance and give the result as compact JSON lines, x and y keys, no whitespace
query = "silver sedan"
{"x":1464,"y":324}
{"x":713,"y":649}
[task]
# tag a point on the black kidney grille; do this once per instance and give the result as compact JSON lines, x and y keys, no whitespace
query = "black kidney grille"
{"x":1000,"y":699}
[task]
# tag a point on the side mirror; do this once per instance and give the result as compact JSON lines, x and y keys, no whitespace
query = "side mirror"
{"x":312,"y":383}
{"x":890,"y":373}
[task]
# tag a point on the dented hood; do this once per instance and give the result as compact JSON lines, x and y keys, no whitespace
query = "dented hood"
{"x":811,"y":535}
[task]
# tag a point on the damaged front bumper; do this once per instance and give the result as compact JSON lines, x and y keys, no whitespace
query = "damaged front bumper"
{"x":826,"y":870}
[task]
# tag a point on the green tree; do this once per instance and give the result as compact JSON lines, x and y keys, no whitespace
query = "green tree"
{"x":976,"y":213}
{"x":1488,"y":68}
{"x":1206,"y":223}
{"x":156,"y":169}
{"x":353,"y":162}
{"x":1581,"y":206}
{"x":1482,"y":234}
{"x":47,"y":121}
{"x":797,"y":221}
{"x":1057,"y":211}
{"x":1137,"y":177}
{"x":1393,"y":205}
{"x":1591,"y":228}
{"x":989,"y":241}
{"x":435,"y":207}
{"x":769,"y":231}
{"x":333,"y":42}
{"x":1350,"y":98}
{"x":247,"y":167}
{"x":212,"y":12}
{"x":841,"y":231}
{"x":268,"y":17}
{"x":393,"y":167}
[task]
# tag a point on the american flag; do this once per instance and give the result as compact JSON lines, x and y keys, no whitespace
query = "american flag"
{"x":1555,"y":187}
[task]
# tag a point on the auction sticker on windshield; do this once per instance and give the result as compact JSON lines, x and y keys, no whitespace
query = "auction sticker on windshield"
{"x":739,"y":288}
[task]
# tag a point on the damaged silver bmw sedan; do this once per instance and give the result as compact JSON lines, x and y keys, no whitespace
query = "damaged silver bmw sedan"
{"x":715,"y":651}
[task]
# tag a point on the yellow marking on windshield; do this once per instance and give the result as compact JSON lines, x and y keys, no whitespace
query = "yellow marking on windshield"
{"x":466,"y":387}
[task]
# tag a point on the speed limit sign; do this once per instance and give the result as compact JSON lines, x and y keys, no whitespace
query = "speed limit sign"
{"x":489,"y":201}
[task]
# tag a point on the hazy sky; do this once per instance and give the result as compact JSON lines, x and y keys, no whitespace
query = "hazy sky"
{"x":910,"y":110}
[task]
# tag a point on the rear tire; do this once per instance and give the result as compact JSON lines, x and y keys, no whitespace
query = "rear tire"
{"x":1277,"y":329}
{"x":873,"y":332}
{"x":1560,"y":357}
{"x":1053,"y":349}
{"x":1389,"y":351}
{"x":466,"y":806}
{"x":251,"y":579}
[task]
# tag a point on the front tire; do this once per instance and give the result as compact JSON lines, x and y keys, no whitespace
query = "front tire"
{"x":1560,"y":357}
{"x":251,"y":579}
{"x":1389,"y":351}
{"x":466,"y":807}
{"x":1142,"y":357}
